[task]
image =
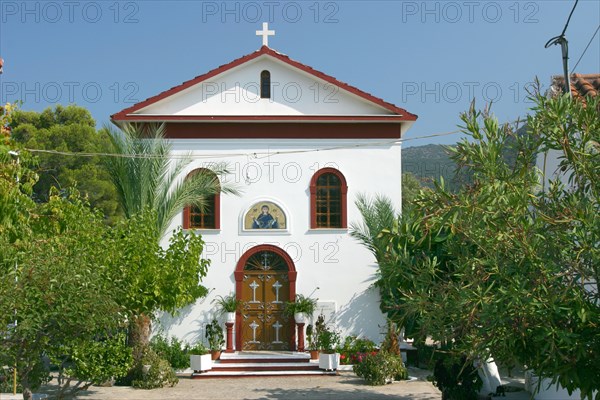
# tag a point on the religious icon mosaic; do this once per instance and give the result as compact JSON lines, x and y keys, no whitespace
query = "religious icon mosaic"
{"x":265,"y":215}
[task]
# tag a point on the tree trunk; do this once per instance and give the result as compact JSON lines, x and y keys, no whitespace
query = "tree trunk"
{"x":139,"y":335}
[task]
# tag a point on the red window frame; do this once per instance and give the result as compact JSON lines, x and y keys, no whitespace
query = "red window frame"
{"x":315,"y":200}
{"x":191,"y":211}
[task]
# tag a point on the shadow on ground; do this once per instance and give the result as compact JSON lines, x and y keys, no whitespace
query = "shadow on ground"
{"x":332,"y":394}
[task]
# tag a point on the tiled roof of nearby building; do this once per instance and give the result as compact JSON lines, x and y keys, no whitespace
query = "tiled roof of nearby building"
{"x":581,"y":85}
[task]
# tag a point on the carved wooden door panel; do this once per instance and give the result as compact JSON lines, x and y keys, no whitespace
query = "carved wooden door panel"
{"x":265,"y":289}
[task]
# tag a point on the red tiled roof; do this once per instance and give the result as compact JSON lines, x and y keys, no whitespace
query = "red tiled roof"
{"x":124,"y":115}
{"x":581,"y":85}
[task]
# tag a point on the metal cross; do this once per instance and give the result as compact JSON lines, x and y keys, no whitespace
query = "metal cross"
{"x":265,"y":263}
{"x":277,"y":285}
{"x":254,"y":325}
{"x":277,"y":327}
{"x":265,"y":33}
{"x":254,"y":286}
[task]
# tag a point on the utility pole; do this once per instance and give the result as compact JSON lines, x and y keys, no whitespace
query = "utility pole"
{"x":15,"y":154}
{"x":564,"y":45}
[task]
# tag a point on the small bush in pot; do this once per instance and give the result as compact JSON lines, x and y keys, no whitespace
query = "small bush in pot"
{"x":311,"y":338}
{"x":227,"y":304}
{"x":198,"y":349}
{"x":329,"y":339}
{"x":301,"y":305}
{"x":200,"y":358}
{"x":215,"y":337}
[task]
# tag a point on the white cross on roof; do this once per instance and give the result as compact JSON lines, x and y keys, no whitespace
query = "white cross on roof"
{"x":265,"y":33}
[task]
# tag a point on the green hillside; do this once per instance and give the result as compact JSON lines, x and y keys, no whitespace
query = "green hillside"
{"x":428,"y":163}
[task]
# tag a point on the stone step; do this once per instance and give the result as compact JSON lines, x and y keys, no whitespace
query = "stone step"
{"x":259,"y":374}
{"x":268,"y":360}
{"x":263,"y":357}
{"x":261,"y":366}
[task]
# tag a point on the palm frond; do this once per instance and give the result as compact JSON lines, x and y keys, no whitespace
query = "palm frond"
{"x":377,"y":214}
{"x":145,"y":175}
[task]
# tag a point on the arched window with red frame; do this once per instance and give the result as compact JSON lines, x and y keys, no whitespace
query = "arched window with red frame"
{"x":328,"y":206}
{"x":208,"y":217}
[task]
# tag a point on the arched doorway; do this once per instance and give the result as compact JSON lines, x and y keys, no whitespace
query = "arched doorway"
{"x":265,"y":279}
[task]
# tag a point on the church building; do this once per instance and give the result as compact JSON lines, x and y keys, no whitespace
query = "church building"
{"x":300,"y":146}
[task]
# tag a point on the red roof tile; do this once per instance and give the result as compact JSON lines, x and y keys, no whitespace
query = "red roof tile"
{"x":581,"y":85}
{"x":400,"y":113}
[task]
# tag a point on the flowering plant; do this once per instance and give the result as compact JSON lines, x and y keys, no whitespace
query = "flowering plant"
{"x":353,"y":347}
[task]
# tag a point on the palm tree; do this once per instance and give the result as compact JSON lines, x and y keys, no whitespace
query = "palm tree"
{"x":377,"y":214}
{"x":147,"y":176}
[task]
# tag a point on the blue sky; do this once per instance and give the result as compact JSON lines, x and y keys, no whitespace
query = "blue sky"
{"x":430,"y":57}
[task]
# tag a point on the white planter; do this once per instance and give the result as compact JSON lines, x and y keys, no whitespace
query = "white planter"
{"x":329,"y":361}
{"x":547,"y":390}
{"x":490,"y":378}
{"x":200,"y":363}
{"x":231,"y":317}
{"x":300,"y":318}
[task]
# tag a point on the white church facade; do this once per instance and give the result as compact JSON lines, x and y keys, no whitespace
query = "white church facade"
{"x":300,"y":146}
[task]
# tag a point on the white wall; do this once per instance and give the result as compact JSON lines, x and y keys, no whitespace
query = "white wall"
{"x":328,"y":259}
{"x":237,"y":92}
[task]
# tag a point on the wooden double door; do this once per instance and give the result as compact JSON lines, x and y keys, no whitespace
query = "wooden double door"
{"x":265,"y":288}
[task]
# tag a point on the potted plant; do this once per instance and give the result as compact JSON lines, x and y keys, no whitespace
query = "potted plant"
{"x":301,"y":308}
{"x":216,"y":340}
{"x":228,"y":305}
{"x":200,"y":359}
{"x":311,"y":338}
{"x":329,"y":340}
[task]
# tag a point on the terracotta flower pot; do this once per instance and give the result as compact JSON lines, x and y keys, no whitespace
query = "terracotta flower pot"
{"x":215,"y":354}
{"x":314,"y":354}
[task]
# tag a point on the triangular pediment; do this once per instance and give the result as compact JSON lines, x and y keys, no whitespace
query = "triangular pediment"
{"x":233,"y":90}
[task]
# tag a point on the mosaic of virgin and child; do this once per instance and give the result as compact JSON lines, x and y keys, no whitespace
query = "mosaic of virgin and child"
{"x":265,"y":220}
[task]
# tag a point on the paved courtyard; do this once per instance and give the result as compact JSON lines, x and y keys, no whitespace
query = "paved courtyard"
{"x":345,"y":386}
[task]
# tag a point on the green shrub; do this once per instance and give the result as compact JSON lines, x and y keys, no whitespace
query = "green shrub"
{"x":100,"y":361}
{"x":456,"y":377}
{"x":153,"y":372}
{"x":426,"y":355}
{"x":198,"y":349}
{"x":214,"y":335}
{"x":380,"y":368}
{"x":173,"y":350}
{"x":6,"y":380}
{"x":354,"y":346}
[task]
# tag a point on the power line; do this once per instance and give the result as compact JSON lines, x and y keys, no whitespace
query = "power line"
{"x":228,"y":155}
{"x":258,"y":155}
{"x":569,"y":19}
{"x":586,"y":48}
